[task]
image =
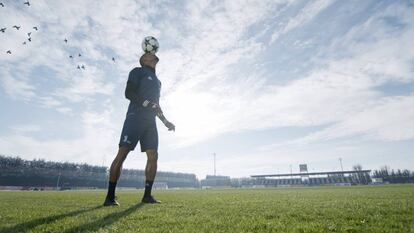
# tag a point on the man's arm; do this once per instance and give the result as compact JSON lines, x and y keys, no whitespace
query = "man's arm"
{"x":164,"y":120}
{"x":131,"y":94}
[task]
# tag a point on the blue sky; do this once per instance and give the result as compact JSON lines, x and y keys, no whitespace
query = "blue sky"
{"x":263,"y":84}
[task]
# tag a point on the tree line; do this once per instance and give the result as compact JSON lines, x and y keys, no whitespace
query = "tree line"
{"x":394,"y":176}
{"x":15,"y":171}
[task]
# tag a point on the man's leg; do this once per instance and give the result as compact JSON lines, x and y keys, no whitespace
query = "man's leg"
{"x":116,"y":165}
{"x":150,"y":172}
{"x":115,"y":172}
{"x":151,"y":168}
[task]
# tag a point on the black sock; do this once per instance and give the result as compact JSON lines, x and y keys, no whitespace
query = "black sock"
{"x":148,"y":187}
{"x":111,"y":190}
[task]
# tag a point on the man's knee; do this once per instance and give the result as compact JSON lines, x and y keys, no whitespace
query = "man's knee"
{"x":152,"y":155}
{"x":121,"y":156}
{"x":123,"y":152}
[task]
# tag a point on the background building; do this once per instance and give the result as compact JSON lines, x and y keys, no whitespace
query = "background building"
{"x":216,"y":181}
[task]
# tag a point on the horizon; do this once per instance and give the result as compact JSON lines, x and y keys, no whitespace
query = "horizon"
{"x":388,"y":168}
{"x":264,"y":85}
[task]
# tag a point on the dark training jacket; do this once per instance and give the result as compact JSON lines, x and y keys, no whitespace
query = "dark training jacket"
{"x":142,"y":85}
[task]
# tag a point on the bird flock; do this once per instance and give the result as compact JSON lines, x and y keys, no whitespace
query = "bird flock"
{"x":29,"y":38}
{"x":29,"y":34}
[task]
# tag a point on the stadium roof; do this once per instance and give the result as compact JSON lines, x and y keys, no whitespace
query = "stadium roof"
{"x":312,"y":173}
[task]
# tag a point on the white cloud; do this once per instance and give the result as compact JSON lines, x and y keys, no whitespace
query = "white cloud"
{"x":389,"y":119}
{"x":17,"y":89}
{"x":26,"y":128}
{"x":88,"y":83}
{"x":345,"y":96}
{"x":310,"y":11}
{"x":341,"y":89}
{"x":197,"y":94}
{"x":97,"y":140}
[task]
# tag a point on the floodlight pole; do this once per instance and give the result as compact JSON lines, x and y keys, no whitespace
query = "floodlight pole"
{"x":57,"y":184}
{"x":106,"y":172}
{"x":214,"y":164}
{"x":340,"y":161}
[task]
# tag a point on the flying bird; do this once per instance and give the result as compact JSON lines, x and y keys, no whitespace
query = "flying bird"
{"x":71,"y":56}
{"x":29,"y":39}
{"x":113,"y":59}
{"x":8,"y":51}
{"x":3,"y":30}
{"x":78,"y":67}
{"x":1,"y":4}
{"x":66,"y":41}
{"x":24,"y":42}
{"x":28,"y":34}
{"x":27,"y":3}
{"x":80,"y":55}
{"x":35,"y":28}
{"x":17,"y":27}
{"x":83,"y":67}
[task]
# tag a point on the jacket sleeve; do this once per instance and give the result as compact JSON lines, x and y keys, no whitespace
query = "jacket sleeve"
{"x":136,"y":89}
{"x":131,"y":90}
{"x":131,"y":93}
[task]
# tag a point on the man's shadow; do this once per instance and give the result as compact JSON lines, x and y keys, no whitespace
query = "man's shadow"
{"x":23,"y":227}
{"x":107,"y":220}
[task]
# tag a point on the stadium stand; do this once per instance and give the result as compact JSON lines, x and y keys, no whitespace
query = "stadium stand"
{"x":313,"y":178}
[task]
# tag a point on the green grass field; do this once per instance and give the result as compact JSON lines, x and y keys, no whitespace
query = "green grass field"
{"x":325,"y":209}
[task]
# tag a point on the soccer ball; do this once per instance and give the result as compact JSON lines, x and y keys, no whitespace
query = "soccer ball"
{"x":150,"y":44}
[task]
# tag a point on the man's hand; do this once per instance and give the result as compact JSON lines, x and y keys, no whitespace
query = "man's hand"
{"x":152,"y":105}
{"x":157,"y":109}
{"x":170,"y":126}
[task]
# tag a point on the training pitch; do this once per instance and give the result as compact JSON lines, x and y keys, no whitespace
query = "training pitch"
{"x":387,"y":208}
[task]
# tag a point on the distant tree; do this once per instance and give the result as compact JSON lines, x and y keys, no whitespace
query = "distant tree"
{"x":357,"y":167}
{"x":399,"y":176}
{"x":360,"y":175}
{"x":405,"y":173}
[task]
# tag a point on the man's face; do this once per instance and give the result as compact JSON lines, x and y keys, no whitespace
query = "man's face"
{"x":150,"y":60}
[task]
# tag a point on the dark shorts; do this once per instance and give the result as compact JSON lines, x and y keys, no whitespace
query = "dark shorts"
{"x":139,"y":128}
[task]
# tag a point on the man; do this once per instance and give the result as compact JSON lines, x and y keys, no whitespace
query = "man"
{"x":143,"y":91}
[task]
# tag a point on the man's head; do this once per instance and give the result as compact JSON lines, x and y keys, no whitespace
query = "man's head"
{"x":149,"y":59}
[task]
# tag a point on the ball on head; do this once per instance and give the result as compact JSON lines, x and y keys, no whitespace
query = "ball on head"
{"x":150,"y":44}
